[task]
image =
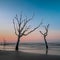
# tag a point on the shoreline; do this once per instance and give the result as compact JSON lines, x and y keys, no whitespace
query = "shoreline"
{"x":14,"y":55}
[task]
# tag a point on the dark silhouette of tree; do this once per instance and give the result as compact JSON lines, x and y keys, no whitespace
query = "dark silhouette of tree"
{"x":22,"y":29}
{"x":45,"y":34}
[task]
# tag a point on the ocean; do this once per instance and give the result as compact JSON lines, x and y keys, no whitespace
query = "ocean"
{"x":39,"y":48}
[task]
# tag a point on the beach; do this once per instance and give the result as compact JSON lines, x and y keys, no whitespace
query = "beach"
{"x":38,"y":48}
{"x":14,"y":55}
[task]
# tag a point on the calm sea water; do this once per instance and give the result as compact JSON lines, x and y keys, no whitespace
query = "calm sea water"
{"x":54,"y":48}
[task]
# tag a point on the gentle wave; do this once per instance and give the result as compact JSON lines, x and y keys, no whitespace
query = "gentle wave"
{"x":54,"y":49}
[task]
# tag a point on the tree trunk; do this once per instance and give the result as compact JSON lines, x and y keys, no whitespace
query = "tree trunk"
{"x":17,"y":45}
{"x":46,"y":43}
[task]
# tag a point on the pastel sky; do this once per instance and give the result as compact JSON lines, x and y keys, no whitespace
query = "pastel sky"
{"x":48,"y":10}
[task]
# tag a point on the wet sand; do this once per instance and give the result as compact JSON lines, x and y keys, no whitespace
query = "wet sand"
{"x":13,"y":55}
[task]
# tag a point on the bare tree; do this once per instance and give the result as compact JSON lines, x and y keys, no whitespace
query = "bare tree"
{"x":45,"y":34}
{"x":22,"y":29}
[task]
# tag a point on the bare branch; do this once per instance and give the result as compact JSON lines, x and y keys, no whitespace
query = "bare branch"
{"x":14,"y":27}
{"x":20,"y":16}
{"x":26,"y":29}
{"x":32,"y":30}
{"x":41,"y":32}
{"x":27,"y":18}
{"x":23,"y":30}
{"x":17,"y":18}
{"x":25,"y":22}
{"x":46,"y":28}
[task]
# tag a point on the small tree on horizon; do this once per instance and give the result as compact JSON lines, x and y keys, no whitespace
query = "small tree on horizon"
{"x":22,"y":29}
{"x":45,"y":34}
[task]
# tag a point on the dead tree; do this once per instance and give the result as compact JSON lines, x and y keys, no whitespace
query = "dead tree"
{"x":45,"y":34}
{"x":22,"y":29}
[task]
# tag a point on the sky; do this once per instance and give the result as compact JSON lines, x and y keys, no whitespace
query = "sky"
{"x":46,"y":10}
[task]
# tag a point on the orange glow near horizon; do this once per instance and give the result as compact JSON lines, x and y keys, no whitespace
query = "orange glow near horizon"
{"x":33,"y":37}
{"x":54,"y":35}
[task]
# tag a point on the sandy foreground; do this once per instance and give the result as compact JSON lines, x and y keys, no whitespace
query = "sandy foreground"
{"x":13,"y":55}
